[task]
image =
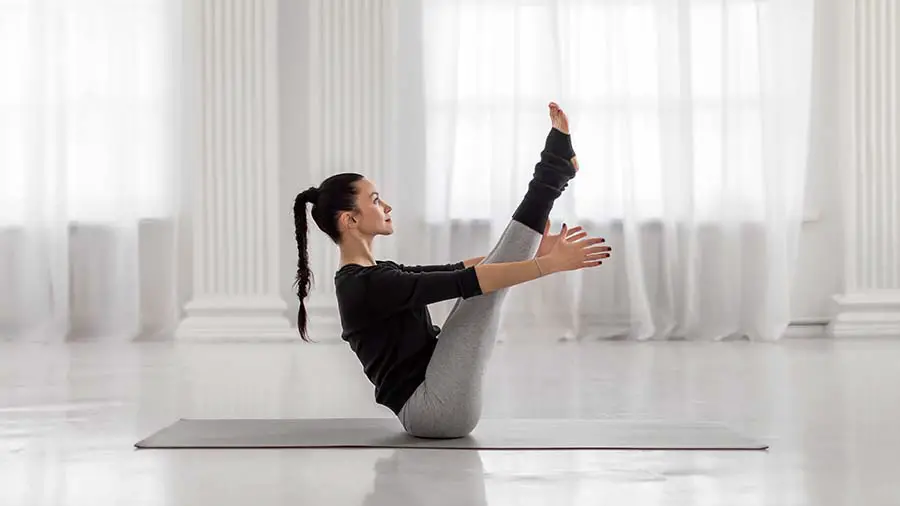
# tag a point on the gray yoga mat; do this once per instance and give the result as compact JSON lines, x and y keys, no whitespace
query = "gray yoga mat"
{"x":491,"y":434}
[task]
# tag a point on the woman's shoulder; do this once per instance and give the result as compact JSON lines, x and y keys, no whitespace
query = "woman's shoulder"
{"x":358,"y":268}
{"x":354,"y":283}
{"x":349,"y":274}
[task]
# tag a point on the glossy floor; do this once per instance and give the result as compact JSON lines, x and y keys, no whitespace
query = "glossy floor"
{"x":70,"y":413}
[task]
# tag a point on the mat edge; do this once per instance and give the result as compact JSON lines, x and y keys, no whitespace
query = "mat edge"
{"x":146,"y":443}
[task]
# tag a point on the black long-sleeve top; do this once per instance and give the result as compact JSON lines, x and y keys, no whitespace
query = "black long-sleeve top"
{"x":385,"y":319}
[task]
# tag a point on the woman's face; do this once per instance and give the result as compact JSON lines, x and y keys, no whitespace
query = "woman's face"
{"x":373,"y":213}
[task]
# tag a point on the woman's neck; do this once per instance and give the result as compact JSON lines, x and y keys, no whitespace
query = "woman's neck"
{"x":357,"y":250}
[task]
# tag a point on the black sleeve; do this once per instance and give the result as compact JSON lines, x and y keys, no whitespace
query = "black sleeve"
{"x":432,"y":268}
{"x":392,"y":289}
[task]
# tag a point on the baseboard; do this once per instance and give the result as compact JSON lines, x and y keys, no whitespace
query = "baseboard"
{"x":869,"y":314}
{"x":806,"y":331}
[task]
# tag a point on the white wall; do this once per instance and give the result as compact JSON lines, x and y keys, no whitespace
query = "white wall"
{"x":819,"y":274}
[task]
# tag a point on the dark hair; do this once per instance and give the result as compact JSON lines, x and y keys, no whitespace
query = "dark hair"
{"x":335,"y":194}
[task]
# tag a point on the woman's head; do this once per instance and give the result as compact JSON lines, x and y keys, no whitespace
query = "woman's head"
{"x":345,"y":207}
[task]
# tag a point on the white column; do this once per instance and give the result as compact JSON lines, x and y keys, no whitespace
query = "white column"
{"x":870,"y":304}
{"x":234,"y":194}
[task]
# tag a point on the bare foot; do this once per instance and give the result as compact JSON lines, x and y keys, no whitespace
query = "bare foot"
{"x":561,"y":122}
{"x":558,"y":118}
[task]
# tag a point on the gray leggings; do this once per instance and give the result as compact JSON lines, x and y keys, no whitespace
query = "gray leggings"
{"x":448,"y":403}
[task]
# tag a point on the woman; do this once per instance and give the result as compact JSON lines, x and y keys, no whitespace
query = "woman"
{"x":434,"y":385}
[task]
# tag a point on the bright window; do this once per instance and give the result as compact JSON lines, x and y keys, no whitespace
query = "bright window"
{"x":86,"y":107}
{"x":661,"y":97}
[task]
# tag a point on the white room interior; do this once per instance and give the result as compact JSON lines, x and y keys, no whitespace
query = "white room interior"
{"x":147,"y":247}
{"x":155,"y":243}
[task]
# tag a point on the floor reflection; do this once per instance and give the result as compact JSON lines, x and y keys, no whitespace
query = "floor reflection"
{"x":428,"y":477}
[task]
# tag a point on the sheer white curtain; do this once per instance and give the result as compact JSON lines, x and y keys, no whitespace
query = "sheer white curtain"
{"x":88,"y":167}
{"x":690,"y":123}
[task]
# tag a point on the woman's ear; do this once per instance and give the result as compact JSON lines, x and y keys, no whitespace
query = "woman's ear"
{"x":347,"y":221}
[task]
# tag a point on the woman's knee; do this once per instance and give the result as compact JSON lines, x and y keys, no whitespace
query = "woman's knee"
{"x":451,"y":426}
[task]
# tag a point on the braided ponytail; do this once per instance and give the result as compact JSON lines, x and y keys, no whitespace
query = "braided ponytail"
{"x":334,"y":195}
{"x":304,"y":274}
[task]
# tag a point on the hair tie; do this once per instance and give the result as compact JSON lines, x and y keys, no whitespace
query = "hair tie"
{"x":310,"y":195}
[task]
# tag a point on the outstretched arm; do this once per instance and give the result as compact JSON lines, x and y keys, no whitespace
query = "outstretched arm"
{"x":397,"y":288}
{"x":394,"y":289}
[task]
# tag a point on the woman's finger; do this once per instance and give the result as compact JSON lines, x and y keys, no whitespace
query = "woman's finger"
{"x":579,"y":228}
{"x":576,"y":236}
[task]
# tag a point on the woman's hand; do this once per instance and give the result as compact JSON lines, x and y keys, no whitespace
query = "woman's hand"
{"x":548,"y":241}
{"x":573,"y":251}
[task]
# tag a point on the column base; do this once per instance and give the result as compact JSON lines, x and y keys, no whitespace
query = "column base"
{"x":323,"y":317}
{"x":240,"y":318}
{"x":867,"y":314}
